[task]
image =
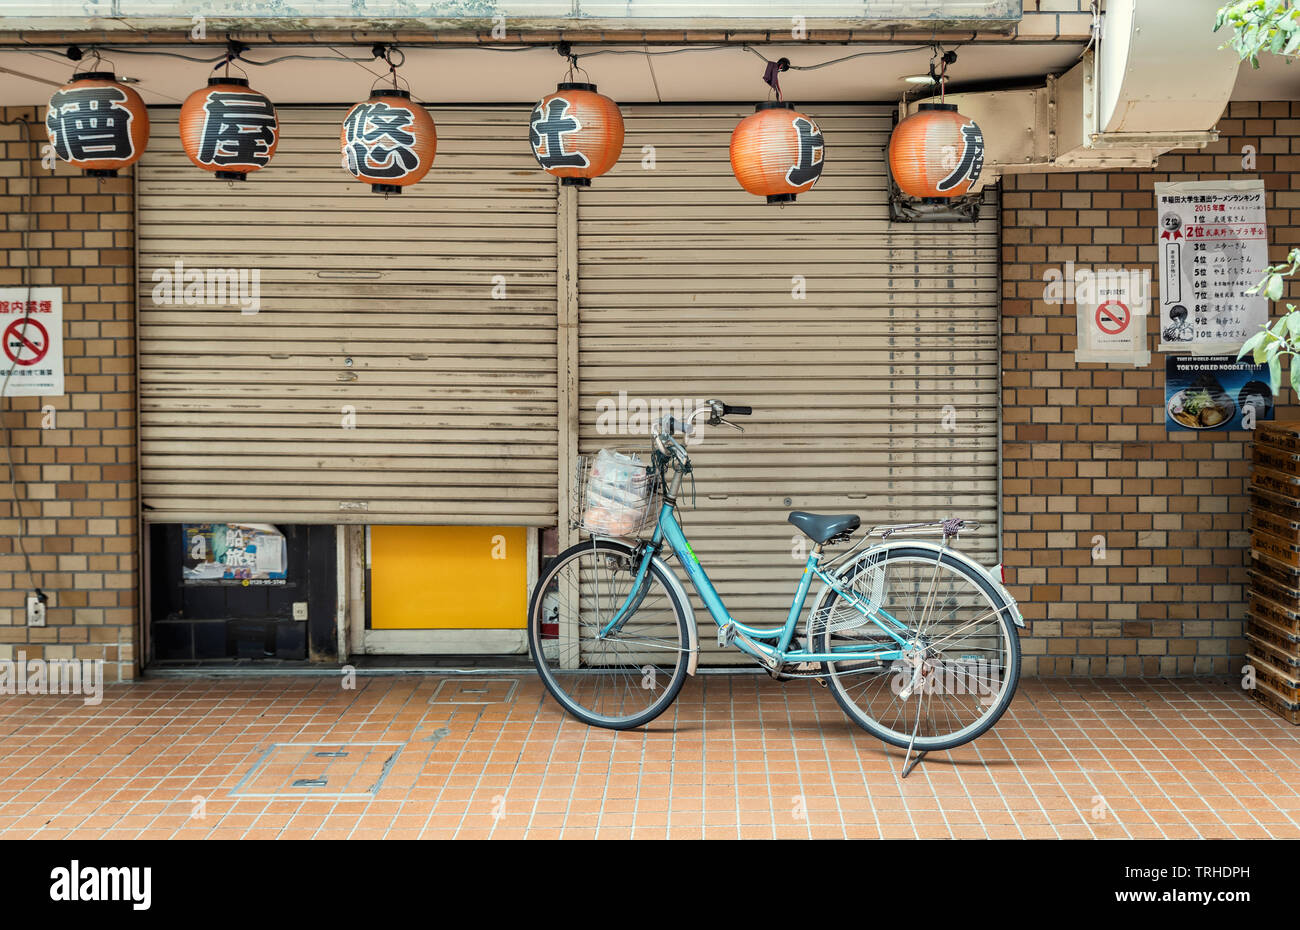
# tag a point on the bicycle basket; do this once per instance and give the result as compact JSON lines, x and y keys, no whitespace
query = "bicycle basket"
{"x":614,"y":494}
{"x":868,"y":585}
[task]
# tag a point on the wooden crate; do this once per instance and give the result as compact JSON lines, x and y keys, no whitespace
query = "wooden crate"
{"x":1274,"y":503}
{"x":1274,"y":701}
{"x":1285,"y":681}
{"x":1281,"y":617}
{"x":1275,"y":524}
{"x":1279,"y":573}
{"x":1277,"y":482}
{"x":1275,"y":547}
{"x":1274,"y":646}
{"x":1267,"y":456}
{"x":1280,"y":435}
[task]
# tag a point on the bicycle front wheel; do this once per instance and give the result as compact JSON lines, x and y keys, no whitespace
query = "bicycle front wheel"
{"x":961,"y":663}
{"x":612,"y":653}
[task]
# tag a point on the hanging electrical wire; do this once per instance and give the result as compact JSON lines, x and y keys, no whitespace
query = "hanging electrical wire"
{"x":26,"y":213}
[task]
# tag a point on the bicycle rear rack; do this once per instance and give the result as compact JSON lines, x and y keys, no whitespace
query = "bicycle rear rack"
{"x":948,"y":529}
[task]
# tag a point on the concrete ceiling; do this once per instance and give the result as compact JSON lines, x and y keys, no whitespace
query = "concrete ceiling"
{"x":485,"y":75}
{"x":475,"y":74}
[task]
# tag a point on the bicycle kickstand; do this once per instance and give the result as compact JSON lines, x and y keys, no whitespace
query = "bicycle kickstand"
{"x":910,"y":762}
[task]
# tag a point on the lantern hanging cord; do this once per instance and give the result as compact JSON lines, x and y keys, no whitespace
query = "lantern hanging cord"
{"x":772,"y":75}
{"x":387,"y":53}
{"x":234,"y":51}
{"x":218,"y":60}
{"x":96,"y":65}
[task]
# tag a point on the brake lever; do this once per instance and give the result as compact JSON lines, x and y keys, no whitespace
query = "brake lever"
{"x":739,"y":429}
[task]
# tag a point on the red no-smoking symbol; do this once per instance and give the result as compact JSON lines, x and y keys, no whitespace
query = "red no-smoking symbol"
{"x":26,"y":342}
{"x":1113,"y":318}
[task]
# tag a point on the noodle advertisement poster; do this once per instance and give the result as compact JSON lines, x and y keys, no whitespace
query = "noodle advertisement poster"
{"x":1215,"y":393}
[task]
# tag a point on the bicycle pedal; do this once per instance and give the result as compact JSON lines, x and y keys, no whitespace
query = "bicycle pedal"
{"x":726,"y":636}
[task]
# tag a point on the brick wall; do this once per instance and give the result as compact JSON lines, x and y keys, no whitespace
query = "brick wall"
{"x":77,"y":481}
{"x":1085,"y":448}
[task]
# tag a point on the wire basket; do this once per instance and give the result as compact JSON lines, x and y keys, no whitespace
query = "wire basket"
{"x":615,"y":494}
{"x":868,"y":584}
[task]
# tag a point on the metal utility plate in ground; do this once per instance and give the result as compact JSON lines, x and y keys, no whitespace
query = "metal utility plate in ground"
{"x":475,"y":691}
{"x":319,"y":770}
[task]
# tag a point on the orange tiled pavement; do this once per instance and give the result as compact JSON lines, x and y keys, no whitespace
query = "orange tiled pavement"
{"x":736,"y":756}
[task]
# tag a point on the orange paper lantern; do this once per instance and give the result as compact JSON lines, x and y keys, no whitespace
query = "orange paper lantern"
{"x":936,"y":153}
{"x":97,"y":124}
{"x":229,"y":128}
{"x":777,"y":152}
{"x":388,"y":141}
{"x":576,"y":134}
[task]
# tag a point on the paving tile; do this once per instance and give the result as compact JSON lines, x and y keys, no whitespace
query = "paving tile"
{"x":737,"y":756}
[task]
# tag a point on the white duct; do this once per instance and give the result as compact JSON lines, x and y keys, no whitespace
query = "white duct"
{"x":1156,"y":81}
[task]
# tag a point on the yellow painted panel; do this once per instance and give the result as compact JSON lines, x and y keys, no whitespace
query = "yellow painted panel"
{"x":448,"y":577}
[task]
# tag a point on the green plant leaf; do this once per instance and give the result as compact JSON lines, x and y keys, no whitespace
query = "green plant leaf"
{"x":1295,"y":377}
{"x":1274,"y":374}
{"x":1274,"y":288}
{"x":1249,"y":346}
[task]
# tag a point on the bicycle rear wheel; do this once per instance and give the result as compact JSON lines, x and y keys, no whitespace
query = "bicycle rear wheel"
{"x":963,"y":662}
{"x":619,"y":679}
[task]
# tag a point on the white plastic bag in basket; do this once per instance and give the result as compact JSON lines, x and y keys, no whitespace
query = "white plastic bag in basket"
{"x":616,"y":496}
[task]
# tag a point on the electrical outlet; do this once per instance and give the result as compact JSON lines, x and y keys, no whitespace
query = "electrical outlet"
{"x":35,"y":611}
{"x":300,"y":610}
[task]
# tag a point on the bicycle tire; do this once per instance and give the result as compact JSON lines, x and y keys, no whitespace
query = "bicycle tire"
{"x":895,"y":737}
{"x":551,"y":677}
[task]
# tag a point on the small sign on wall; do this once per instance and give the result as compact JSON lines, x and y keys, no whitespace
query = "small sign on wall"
{"x":1215,"y":393}
{"x":31,"y":344}
{"x":1112,"y":317}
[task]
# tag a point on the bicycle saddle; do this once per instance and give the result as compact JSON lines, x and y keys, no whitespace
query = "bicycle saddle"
{"x":821,"y":527}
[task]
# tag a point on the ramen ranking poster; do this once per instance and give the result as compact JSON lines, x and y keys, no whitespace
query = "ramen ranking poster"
{"x":1213,"y":243}
{"x":1215,"y":392}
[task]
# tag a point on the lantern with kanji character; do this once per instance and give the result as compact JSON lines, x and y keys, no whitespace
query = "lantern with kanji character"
{"x":777,"y":152}
{"x":229,"y":128}
{"x":389,"y":141}
{"x":576,"y":134}
{"x":97,"y":124}
{"x":936,"y":153}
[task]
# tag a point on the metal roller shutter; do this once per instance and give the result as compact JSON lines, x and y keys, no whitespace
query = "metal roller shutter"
{"x":384,"y":306}
{"x":686,"y":290}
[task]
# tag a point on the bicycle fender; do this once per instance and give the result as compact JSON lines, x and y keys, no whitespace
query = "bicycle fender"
{"x":692,"y":631}
{"x":992,"y":579}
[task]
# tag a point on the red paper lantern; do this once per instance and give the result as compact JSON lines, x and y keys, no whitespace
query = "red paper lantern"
{"x":777,"y":152}
{"x":229,"y":128}
{"x":936,"y":153}
{"x":97,"y":124}
{"x":388,"y":141}
{"x":576,"y":134}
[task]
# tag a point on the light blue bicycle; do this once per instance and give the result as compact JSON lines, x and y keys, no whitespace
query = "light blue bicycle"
{"x":917,"y":642}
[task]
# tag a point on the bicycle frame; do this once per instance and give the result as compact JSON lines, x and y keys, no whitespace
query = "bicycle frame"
{"x":769,"y":645}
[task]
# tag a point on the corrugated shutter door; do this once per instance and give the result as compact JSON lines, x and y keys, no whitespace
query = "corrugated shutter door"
{"x":876,"y":394}
{"x":379,"y":308}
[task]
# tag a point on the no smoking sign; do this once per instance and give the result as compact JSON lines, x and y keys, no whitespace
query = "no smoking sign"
{"x":31,"y":341}
{"x":26,"y":342}
{"x":1113,"y":318}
